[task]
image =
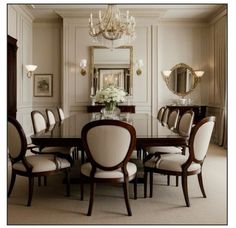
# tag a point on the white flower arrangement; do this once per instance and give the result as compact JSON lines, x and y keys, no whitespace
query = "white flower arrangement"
{"x":110,"y":94}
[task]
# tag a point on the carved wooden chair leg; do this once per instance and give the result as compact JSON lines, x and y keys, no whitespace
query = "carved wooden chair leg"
{"x":45,"y":180}
{"x":126,"y":195}
{"x":13,"y":178}
{"x":39,"y":181}
{"x":185,"y":189}
{"x":81,"y":189}
{"x":145,"y":183}
{"x":135,"y":187}
{"x":31,"y":187}
{"x":201,"y":184}
{"x":177,"y":181}
{"x":67,"y":182}
{"x":168,"y":180}
{"x":92,"y":196}
{"x":151,"y":184}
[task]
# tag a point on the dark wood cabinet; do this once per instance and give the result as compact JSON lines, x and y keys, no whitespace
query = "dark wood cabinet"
{"x":199,"y":111}
{"x":11,"y":76}
{"x":123,"y":108}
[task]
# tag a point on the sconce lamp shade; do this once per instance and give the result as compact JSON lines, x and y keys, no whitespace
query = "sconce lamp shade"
{"x":30,"y":69}
{"x":83,"y":63}
{"x":199,"y":73}
{"x":139,"y":63}
{"x":166,"y":73}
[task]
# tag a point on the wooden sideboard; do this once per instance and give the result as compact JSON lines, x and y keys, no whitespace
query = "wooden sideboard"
{"x":123,"y":108}
{"x":199,"y":110}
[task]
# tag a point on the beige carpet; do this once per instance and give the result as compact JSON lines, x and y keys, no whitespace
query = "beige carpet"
{"x":50,"y":206}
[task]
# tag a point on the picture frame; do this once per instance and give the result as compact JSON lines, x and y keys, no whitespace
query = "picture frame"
{"x":43,"y":85}
{"x":111,"y":76}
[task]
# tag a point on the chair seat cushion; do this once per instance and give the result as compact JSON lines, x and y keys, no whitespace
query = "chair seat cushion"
{"x":43,"y":163}
{"x":171,"y":162}
{"x":86,"y":169}
{"x":165,"y":149}
{"x":53,"y":149}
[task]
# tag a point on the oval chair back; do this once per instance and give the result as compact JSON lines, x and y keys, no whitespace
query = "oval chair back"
{"x":61,"y":114}
{"x":108,"y":143}
{"x":200,"y":139}
{"x":38,"y":120}
{"x":160,"y":113}
{"x":164,"y":119}
{"x":173,"y":119}
{"x":186,"y":123}
{"x":16,"y":140}
{"x":51,"y":117}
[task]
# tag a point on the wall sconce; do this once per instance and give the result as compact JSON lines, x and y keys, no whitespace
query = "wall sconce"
{"x":83,"y":66}
{"x":139,"y":65}
{"x":199,"y":73}
{"x":30,"y":69}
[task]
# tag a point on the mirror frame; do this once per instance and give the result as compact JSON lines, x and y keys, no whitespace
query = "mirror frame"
{"x":92,"y":48}
{"x":196,"y":79}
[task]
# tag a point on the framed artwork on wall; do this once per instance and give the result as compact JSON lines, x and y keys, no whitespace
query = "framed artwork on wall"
{"x":111,"y":77}
{"x":43,"y":85}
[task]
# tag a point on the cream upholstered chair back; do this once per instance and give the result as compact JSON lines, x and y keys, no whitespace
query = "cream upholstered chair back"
{"x":164,"y":119}
{"x":51,"y":117}
{"x":186,"y":123}
{"x":61,"y":114}
{"x":38,"y":120}
{"x":108,"y":143}
{"x":173,"y":119}
{"x":16,"y":139}
{"x":160,"y":113}
{"x":200,"y":138}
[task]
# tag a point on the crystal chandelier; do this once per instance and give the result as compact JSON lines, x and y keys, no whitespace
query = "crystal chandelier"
{"x":112,"y":29}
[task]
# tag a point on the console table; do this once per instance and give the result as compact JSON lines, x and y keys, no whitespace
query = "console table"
{"x":199,"y":110}
{"x":123,"y":108}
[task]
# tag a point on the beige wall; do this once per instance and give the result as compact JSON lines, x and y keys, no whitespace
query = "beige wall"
{"x":47,"y":52}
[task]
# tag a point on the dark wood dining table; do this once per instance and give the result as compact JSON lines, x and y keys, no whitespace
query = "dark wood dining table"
{"x":149,"y":131}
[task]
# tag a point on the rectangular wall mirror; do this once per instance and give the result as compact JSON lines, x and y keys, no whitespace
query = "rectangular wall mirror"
{"x":111,"y":67}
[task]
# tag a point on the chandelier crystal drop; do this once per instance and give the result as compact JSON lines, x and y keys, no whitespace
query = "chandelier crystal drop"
{"x":112,"y":29}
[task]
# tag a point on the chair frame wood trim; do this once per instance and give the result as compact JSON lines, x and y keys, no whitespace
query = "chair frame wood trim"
{"x":121,"y":165}
{"x":184,"y":173}
{"x":28,"y":173}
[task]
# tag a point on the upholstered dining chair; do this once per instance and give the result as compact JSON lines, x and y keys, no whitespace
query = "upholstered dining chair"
{"x":165,"y":116}
{"x":61,"y":114}
{"x":33,"y":165}
{"x":183,"y":165}
{"x":160,"y":113}
{"x":108,"y":145}
{"x":184,"y":128}
{"x":50,"y":116}
{"x":40,"y":124}
{"x":173,"y":119}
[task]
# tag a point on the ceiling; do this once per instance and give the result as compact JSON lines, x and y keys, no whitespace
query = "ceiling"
{"x":184,"y":12}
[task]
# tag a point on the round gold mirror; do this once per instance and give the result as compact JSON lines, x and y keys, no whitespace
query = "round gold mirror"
{"x":182,"y":79}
